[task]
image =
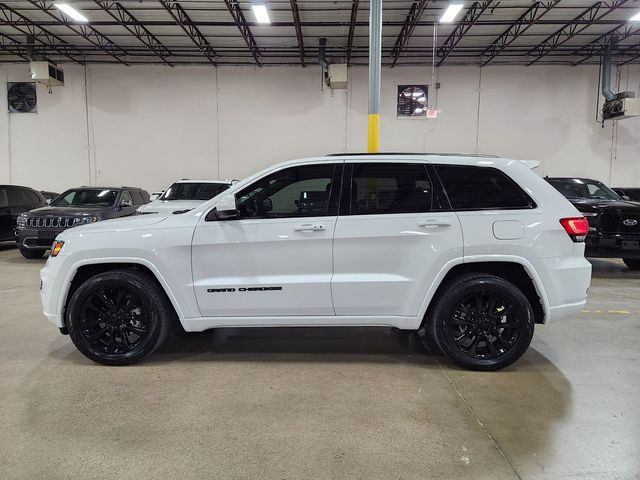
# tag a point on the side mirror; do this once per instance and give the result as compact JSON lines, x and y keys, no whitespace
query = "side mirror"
{"x":125,"y":204}
{"x":47,"y":201}
{"x":226,"y":209}
{"x":626,"y":197}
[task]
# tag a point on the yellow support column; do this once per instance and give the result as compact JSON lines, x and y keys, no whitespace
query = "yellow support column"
{"x":374,"y":133}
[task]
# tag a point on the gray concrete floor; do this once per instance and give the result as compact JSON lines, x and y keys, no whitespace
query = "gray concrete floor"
{"x":321,"y":403}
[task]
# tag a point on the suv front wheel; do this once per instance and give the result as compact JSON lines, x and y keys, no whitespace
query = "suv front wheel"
{"x":119,"y":317}
{"x":482,"y":322}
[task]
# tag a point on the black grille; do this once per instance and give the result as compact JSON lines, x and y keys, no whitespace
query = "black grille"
{"x":620,"y":223}
{"x":50,"y":222}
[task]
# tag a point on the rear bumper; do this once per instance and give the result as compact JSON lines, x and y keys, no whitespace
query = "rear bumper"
{"x":566,"y":281}
{"x":599,"y":245}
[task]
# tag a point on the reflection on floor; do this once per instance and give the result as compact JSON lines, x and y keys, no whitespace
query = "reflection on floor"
{"x":322,"y":403}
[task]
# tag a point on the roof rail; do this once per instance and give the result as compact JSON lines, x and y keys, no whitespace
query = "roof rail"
{"x":481,"y":155}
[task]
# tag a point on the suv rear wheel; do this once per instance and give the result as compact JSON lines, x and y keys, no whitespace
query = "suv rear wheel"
{"x":632,"y":263}
{"x":119,"y":317}
{"x":482,"y":322}
{"x":32,"y":252}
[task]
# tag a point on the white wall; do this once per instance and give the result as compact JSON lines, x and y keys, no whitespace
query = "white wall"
{"x":149,"y":125}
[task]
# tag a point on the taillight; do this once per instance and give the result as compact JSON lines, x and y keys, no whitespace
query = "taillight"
{"x":576,"y":227}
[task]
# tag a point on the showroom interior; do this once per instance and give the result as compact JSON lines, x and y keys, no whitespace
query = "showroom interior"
{"x":140,"y":96}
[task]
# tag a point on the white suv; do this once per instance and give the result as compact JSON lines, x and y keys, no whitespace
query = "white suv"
{"x":471,"y":250}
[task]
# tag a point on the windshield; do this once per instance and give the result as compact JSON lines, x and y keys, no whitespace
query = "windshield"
{"x":583,"y":189}
{"x":86,"y":198}
{"x":193,"y":191}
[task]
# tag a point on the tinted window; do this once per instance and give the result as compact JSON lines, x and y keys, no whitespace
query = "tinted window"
{"x":4,"y":197}
{"x":86,"y":198}
{"x":144,"y":196}
{"x":33,"y":197}
{"x":293,"y":192}
{"x":583,"y":188}
{"x":378,"y":188}
{"x":17,"y":196}
{"x":478,"y":188}
{"x":193,"y":191}
{"x":126,"y":198}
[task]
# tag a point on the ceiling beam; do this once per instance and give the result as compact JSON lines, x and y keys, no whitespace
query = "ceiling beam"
{"x":12,"y":18}
{"x":577,"y":25}
{"x":13,"y":46}
{"x":531,"y":16}
{"x":410,"y":22}
{"x":137,"y":29}
{"x":595,"y":47}
{"x":85,"y":31}
{"x":183,"y":19}
{"x":296,"y":22}
{"x":471,"y":17}
{"x":352,"y":28}
{"x":236,"y":12}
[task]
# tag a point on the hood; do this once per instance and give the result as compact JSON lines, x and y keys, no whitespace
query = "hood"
{"x":167,"y":207}
{"x":49,"y":211}
{"x":614,"y":206}
{"x":124,"y":223}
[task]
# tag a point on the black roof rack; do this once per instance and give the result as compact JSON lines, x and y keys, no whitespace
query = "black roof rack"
{"x":415,"y":153}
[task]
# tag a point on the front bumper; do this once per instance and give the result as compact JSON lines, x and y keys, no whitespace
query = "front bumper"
{"x":36,"y":238}
{"x":600,"y":245}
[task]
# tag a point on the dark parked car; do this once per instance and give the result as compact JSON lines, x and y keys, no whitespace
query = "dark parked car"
{"x":15,"y":200}
{"x":614,"y":222}
{"x":629,"y":193}
{"x":38,"y":229}
{"x":49,"y":196}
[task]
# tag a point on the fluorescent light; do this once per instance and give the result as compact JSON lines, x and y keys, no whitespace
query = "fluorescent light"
{"x":635,"y":18}
{"x":72,"y":12}
{"x":450,"y":13}
{"x":261,"y":14}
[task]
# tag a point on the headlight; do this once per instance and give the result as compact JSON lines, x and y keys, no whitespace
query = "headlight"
{"x":22,"y":220}
{"x":85,"y":220}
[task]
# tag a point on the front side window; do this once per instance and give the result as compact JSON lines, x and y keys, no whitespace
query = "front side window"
{"x":293,"y":192}
{"x":193,"y":191}
{"x":126,"y":199}
{"x":86,"y":198}
{"x":481,"y":188}
{"x":379,"y":188}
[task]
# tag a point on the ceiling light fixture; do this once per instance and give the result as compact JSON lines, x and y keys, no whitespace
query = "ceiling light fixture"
{"x":72,"y":12}
{"x":261,"y":13}
{"x":450,"y":13}
{"x":635,"y":18}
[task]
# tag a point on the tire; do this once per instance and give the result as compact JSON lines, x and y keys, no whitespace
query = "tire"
{"x":119,"y":317}
{"x":466,"y":330}
{"x":32,"y":253}
{"x":632,"y":263}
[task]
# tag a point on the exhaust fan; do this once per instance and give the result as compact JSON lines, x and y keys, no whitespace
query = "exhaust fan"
{"x":21,"y":97}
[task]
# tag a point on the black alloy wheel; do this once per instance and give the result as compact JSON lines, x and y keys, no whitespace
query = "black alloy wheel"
{"x":482,"y":322}
{"x":119,"y":317}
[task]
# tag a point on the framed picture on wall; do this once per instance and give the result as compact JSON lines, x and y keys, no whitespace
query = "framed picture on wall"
{"x":412,"y":101}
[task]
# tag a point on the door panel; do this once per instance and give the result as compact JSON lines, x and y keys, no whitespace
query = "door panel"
{"x":276,"y":258}
{"x":392,"y":240}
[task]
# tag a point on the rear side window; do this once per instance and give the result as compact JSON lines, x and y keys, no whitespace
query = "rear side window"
{"x":383,"y":188}
{"x":137,"y":197}
{"x":481,"y":188}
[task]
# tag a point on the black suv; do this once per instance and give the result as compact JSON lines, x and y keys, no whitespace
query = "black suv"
{"x":38,"y":229}
{"x":15,"y":200}
{"x":614,"y":222}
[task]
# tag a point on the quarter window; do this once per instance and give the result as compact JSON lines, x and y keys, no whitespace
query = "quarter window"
{"x":307,"y":191}
{"x":481,"y":188}
{"x":382,"y":188}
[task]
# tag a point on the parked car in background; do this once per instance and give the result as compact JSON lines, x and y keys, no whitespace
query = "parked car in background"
{"x":155,"y":196}
{"x":471,"y":251}
{"x":627,"y":193}
{"x":15,"y":200}
{"x":185,"y":195}
{"x":614,"y":223}
{"x":37,"y":229}
{"x":49,"y":196}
